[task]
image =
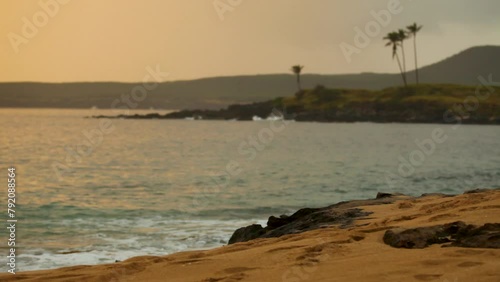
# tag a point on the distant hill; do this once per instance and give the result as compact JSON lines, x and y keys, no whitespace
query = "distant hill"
{"x":465,"y":67}
{"x":218,"y":92}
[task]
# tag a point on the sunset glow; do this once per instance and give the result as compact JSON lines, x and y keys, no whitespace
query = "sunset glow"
{"x":114,"y":40}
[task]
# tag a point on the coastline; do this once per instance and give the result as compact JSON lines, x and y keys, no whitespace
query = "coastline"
{"x":352,"y":250}
{"x":194,"y":115}
{"x":269,"y":114}
{"x":428,"y":104}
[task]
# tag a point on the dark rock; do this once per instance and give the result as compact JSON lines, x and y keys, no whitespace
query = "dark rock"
{"x":310,"y":219}
{"x":421,"y":237}
{"x":475,"y":191}
{"x":301,"y":221}
{"x":458,"y":233}
{"x":275,"y":222}
{"x":486,"y":236}
{"x":152,"y":116}
{"x":381,"y":195}
{"x":247,"y":233}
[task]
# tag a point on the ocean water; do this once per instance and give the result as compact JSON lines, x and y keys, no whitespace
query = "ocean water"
{"x":155,"y":187}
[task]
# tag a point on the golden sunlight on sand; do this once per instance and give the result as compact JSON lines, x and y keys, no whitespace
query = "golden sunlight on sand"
{"x":328,"y":254}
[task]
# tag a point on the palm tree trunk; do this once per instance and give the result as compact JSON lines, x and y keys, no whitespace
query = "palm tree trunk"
{"x":416,"y":61}
{"x":401,"y":70}
{"x":404,"y":60}
{"x":298,"y":82}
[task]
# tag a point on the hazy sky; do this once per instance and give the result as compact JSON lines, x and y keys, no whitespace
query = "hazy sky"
{"x":115,"y":40}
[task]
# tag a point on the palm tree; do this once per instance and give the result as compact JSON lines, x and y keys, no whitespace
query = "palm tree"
{"x":393,"y":38}
{"x":402,"y":37}
{"x":297,"y":69}
{"x":413,"y":30}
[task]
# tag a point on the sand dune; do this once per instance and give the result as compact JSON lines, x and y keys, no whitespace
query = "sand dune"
{"x":357,"y":253}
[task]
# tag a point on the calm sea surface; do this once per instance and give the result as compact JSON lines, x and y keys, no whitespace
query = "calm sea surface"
{"x":94,"y":191}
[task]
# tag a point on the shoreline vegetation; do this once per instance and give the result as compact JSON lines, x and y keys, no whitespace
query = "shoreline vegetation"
{"x":425,"y":103}
{"x":433,"y":237}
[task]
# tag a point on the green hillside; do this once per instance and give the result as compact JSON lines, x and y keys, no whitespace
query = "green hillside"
{"x":423,"y":103}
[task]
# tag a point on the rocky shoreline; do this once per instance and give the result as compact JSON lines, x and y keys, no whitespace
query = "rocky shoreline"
{"x":344,"y":214}
{"x":444,"y":104}
{"x":275,"y":109}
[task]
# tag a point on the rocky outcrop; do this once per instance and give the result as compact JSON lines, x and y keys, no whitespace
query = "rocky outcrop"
{"x":301,"y":221}
{"x":457,"y":234}
{"x":248,"y":233}
{"x":342,"y":214}
{"x":233,"y":112}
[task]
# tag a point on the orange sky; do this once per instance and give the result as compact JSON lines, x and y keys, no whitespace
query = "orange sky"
{"x":115,"y":40}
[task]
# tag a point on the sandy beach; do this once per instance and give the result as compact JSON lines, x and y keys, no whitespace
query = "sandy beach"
{"x":356,"y":253}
